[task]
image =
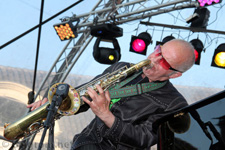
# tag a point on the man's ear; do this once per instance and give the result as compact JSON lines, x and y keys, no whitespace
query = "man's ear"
{"x":175,"y":75}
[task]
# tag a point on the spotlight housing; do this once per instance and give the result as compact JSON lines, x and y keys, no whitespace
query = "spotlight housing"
{"x":140,"y":43}
{"x":166,"y":39}
{"x":218,"y":59}
{"x":106,"y":31}
{"x":202,"y":19}
{"x":105,"y":55}
{"x":198,"y":46}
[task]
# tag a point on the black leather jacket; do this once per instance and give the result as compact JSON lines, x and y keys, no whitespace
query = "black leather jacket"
{"x":135,"y":116}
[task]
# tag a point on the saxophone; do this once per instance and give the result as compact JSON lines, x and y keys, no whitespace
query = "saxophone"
{"x":34,"y":120}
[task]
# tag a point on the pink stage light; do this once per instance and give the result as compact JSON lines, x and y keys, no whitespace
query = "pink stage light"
{"x":138,"y":45}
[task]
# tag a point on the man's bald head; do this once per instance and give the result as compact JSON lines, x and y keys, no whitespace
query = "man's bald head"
{"x":179,"y":54}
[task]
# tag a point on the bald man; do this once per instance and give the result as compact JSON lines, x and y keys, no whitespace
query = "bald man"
{"x":126,"y":122}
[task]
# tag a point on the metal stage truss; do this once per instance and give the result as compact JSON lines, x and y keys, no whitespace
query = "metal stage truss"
{"x":104,"y":12}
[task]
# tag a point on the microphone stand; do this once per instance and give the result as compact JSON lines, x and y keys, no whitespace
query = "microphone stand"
{"x":61,"y":93}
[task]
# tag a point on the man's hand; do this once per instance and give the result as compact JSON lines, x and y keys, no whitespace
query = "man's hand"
{"x":37,"y":104}
{"x":100,"y":105}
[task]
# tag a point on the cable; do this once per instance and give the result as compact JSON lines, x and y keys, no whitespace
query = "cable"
{"x":38,"y":46}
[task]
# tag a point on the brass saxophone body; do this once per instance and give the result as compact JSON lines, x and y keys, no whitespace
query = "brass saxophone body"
{"x":34,"y":120}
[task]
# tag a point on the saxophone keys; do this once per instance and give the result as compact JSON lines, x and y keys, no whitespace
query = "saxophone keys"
{"x":34,"y":126}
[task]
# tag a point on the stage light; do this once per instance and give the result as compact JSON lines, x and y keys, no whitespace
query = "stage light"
{"x":105,"y":55}
{"x":166,"y":39}
{"x":198,"y":46}
{"x":218,"y":59}
{"x":66,"y":30}
{"x":140,"y":43}
{"x":201,"y":18}
{"x":106,"y":31}
{"x":203,"y":3}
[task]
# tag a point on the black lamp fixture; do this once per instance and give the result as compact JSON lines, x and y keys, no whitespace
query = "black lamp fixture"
{"x":66,"y":29}
{"x":218,"y":59}
{"x":199,"y":18}
{"x":105,"y":55}
{"x":198,"y":46}
{"x":140,"y":43}
{"x":106,"y":30}
{"x":165,"y":39}
{"x":106,"y":33}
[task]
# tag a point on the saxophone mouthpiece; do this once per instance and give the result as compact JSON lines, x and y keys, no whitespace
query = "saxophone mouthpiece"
{"x":149,"y":66}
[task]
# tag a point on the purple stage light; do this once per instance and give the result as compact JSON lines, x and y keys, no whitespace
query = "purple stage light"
{"x":202,"y":3}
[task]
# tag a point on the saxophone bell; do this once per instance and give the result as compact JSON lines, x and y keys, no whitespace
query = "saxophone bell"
{"x":34,"y":120}
{"x":70,"y":105}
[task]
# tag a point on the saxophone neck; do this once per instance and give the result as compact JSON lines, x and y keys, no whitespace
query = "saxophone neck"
{"x":109,"y":80}
{"x":137,"y":67}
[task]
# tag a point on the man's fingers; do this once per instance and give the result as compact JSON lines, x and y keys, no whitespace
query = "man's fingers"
{"x":91,"y":93}
{"x":44,"y":101}
{"x":30,"y":105}
{"x":100,"y":90}
{"x":37,"y":104}
{"x":107,"y":95}
{"x":86,"y":100}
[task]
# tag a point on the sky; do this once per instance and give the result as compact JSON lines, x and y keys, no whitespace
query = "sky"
{"x":18,"y":16}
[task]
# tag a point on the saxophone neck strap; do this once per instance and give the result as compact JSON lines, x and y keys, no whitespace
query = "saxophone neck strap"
{"x":117,"y":92}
